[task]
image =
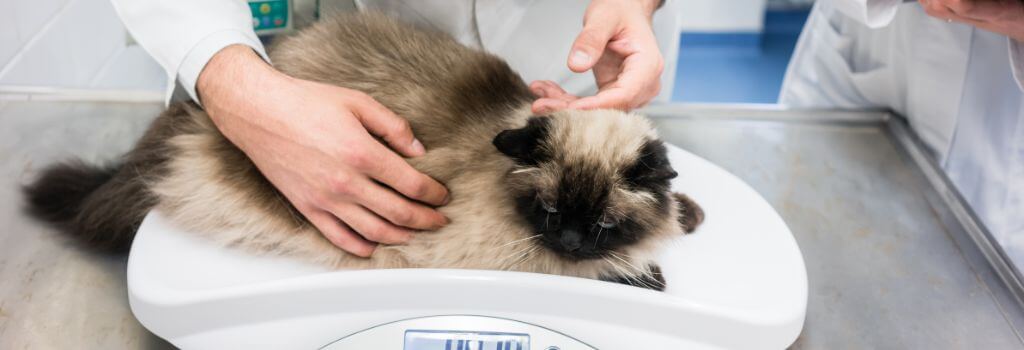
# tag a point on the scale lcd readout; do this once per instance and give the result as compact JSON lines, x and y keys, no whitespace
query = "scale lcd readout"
{"x":465,"y":340}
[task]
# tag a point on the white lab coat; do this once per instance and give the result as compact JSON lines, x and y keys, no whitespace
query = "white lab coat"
{"x":534,"y":36}
{"x":959,"y":87}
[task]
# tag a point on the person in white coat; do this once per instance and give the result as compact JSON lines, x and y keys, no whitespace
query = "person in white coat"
{"x":316,"y":142}
{"x":953,"y":68}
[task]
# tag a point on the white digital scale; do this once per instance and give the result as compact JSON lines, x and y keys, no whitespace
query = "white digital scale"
{"x":737,"y":283}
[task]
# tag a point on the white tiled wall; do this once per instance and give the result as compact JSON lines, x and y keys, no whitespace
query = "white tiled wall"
{"x":70,"y":44}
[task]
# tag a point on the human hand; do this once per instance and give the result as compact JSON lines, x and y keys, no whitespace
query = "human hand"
{"x":1001,"y":16}
{"x":618,"y":45}
{"x":315,"y":143}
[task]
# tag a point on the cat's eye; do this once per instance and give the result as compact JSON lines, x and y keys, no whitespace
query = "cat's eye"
{"x":606,"y":224}
{"x":548,"y":207}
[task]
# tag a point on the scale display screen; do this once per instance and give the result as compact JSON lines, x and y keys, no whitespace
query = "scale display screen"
{"x":465,"y":340}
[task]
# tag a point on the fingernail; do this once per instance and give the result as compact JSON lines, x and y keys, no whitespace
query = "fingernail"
{"x":580,"y":58}
{"x":538,"y":92}
{"x":438,"y":225}
{"x":417,"y":148}
{"x":447,"y":198}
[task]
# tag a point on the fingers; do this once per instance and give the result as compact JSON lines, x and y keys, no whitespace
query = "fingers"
{"x":382,"y":122}
{"x":398,"y":210}
{"x":548,"y":106}
{"x":598,"y":29}
{"x":937,"y":9}
{"x":977,"y":10}
{"x":968,"y":11}
{"x":370,"y":226}
{"x":340,"y":235}
{"x":619,"y":98}
{"x":552,"y":97}
{"x":613,"y":98}
{"x":999,"y":16}
{"x":382,"y":165}
{"x":636,"y":85}
{"x":549,"y":89}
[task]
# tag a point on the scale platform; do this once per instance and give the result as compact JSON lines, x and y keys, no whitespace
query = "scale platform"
{"x":739,"y":282}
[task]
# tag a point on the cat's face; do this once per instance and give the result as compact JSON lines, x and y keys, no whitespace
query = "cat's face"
{"x":589,"y":183}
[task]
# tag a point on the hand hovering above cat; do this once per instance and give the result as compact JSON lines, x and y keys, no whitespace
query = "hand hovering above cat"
{"x":618,"y":45}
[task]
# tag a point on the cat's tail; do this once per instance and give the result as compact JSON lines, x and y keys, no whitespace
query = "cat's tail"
{"x":101,"y":207}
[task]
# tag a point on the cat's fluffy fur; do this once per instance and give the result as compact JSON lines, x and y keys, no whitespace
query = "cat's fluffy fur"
{"x":506,"y":170}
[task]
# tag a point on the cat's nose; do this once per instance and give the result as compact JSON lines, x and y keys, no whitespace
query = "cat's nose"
{"x":571,"y":240}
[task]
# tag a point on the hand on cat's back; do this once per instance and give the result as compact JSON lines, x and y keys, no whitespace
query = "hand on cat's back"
{"x":618,"y":45}
{"x":316,"y":144}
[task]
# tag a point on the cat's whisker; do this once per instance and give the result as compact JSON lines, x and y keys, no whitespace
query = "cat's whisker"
{"x":643,"y":272}
{"x":524,"y":258}
{"x":628,"y":275}
{"x":519,"y":240}
{"x":617,"y":268}
{"x":632,"y":278}
{"x":598,"y":239}
{"x":514,"y":255}
{"x":524,"y":170}
{"x":519,"y":258}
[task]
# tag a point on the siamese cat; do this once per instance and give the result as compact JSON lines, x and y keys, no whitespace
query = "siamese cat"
{"x":577,"y":193}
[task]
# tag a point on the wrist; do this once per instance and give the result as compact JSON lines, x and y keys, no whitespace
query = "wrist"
{"x":647,"y":7}
{"x":234,"y":76}
{"x":235,"y":88}
{"x":650,"y":6}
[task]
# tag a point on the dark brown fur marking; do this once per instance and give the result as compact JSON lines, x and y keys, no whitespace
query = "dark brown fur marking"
{"x":690,"y":214}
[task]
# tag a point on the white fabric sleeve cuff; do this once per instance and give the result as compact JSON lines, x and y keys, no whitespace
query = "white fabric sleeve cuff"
{"x":200,"y":54}
{"x":1017,"y":62}
{"x":872,"y":13}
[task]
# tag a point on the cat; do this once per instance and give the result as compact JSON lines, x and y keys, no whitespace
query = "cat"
{"x":576,"y":193}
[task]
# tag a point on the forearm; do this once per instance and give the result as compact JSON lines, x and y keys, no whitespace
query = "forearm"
{"x":238,"y":89}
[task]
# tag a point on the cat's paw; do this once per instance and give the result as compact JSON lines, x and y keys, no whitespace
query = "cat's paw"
{"x":652,"y":279}
{"x":690,"y":214}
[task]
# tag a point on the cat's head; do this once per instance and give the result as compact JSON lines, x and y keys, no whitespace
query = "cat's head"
{"x":590,"y":183}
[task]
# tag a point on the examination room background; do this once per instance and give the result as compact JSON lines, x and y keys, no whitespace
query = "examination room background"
{"x":82,"y":45}
{"x":731,"y":52}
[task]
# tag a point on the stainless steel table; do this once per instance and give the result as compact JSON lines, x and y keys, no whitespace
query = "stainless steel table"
{"x":893,"y":260}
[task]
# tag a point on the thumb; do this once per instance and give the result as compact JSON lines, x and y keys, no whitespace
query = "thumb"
{"x":590,"y":44}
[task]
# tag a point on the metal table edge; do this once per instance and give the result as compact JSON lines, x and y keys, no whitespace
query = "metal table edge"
{"x":905,"y":141}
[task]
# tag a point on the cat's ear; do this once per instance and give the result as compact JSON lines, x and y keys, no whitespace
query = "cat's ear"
{"x":652,"y":169}
{"x":523,"y":144}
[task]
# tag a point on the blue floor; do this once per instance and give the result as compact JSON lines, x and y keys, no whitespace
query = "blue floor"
{"x":737,"y":67}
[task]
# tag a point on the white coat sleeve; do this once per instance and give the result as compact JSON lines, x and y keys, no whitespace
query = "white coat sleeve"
{"x":182,"y":35}
{"x":872,"y":13}
{"x":1017,"y":62}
